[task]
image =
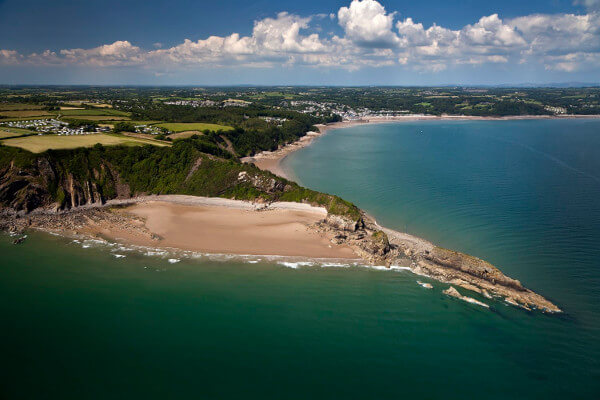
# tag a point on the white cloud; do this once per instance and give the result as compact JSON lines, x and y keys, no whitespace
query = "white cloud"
{"x":556,"y":38}
{"x":366,"y":23}
{"x":371,"y":37}
{"x":8,"y":57}
{"x":118,"y":53}
{"x":275,"y":39}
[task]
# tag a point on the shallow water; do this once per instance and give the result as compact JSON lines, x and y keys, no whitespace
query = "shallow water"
{"x":78,"y":321}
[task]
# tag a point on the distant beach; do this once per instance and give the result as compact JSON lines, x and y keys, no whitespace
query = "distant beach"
{"x":271,"y":160}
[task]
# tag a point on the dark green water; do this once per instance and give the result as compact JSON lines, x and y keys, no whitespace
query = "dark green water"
{"x":79,"y":323}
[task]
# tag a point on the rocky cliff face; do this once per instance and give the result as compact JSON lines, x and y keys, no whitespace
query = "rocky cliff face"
{"x":46,"y":184}
{"x":24,"y":189}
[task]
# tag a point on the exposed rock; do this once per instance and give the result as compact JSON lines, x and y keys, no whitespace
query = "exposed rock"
{"x":194,"y":168}
{"x":425,"y":285}
{"x":342,"y":223}
{"x":261,"y":182}
{"x":451,"y":291}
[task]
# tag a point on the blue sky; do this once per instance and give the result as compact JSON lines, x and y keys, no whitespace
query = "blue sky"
{"x":359,"y":42}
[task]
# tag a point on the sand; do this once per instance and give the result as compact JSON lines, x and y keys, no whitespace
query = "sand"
{"x":225,"y":227}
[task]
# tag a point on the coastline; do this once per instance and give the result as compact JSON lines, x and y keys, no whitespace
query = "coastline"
{"x":271,"y":160}
{"x":285,"y":230}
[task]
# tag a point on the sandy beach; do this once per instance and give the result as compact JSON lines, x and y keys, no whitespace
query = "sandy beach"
{"x":271,"y":160}
{"x":228,"y":227}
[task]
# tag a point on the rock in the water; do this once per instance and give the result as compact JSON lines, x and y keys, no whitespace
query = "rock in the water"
{"x":425,"y":285}
{"x":451,"y":291}
{"x":19,"y":240}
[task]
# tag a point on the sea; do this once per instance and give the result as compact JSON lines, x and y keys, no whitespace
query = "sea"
{"x":93,"y":320}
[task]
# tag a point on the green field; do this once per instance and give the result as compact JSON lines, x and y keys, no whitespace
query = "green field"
{"x":104,"y":111}
{"x":19,"y":106}
{"x":24,"y":113}
{"x":38,"y":144}
{"x":97,"y":118}
{"x":26,"y":118}
{"x":137,"y":122}
{"x":194,"y":126}
{"x":6,"y":132}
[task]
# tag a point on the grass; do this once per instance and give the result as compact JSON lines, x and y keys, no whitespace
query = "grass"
{"x":194,"y":126}
{"x":38,"y":144}
{"x":96,"y":117}
{"x":26,"y":118}
{"x":145,"y":136}
{"x":94,"y":112}
{"x":8,"y":133}
{"x":138,"y":122}
{"x":19,"y":106}
{"x":24,"y":113}
{"x":99,"y":105}
{"x":184,"y":134}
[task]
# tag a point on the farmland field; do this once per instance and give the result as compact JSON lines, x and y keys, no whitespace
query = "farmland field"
{"x":24,"y":113}
{"x":7,"y":133}
{"x":96,"y":117}
{"x":194,"y":126}
{"x":138,"y":122}
{"x":184,"y":134}
{"x":19,"y":106}
{"x":26,"y":118}
{"x":144,"y":136}
{"x":10,"y":132}
{"x":38,"y":144}
{"x":94,"y":112}
{"x":99,"y":105}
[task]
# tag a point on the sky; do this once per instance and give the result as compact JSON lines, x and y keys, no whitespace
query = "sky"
{"x":309,"y":42}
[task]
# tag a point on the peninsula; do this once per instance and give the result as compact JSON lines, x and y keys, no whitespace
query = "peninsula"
{"x":139,"y":174}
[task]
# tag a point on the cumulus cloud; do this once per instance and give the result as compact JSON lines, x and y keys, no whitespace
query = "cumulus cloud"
{"x":366,"y":23}
{"x":370,"y":36}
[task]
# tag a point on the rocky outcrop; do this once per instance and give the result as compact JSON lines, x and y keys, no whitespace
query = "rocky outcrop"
{"x":261,"y":182}
{"x":344,"y":223}
{"x":386,"y":247}
{"x":22,"y":191}
{"x":452,"y":292}
{"x":470,"y":265}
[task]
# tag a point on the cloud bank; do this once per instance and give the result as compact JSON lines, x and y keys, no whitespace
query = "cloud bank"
{"x":368,"y":35}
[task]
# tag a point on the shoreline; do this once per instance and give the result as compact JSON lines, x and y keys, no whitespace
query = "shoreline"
{"x":271,"y":160}
{"x":197,"y":224}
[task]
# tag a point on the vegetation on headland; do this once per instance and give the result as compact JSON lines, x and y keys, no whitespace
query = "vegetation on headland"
{"x":194,"y":166}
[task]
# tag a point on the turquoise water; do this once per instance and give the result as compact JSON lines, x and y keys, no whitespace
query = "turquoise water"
{"x":79,"y":323}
